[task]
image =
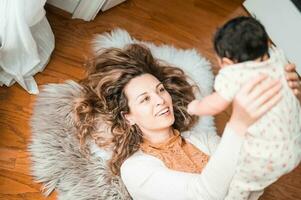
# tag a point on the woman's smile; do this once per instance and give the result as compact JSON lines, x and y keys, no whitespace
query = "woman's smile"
{"x":163,"y":112}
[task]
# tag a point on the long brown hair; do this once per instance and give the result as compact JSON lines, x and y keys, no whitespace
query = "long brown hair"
{"x":104,"y":102}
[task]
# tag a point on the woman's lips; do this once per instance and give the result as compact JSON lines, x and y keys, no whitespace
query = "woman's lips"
{"x":164,"y":111}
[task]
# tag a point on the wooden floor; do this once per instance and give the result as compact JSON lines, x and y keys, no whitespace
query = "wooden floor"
{"x":185,"y":24}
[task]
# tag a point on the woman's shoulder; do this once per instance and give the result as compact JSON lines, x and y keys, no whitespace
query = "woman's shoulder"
{"x":205,"y":140}
{"x":137,"y":156}
{"x":139,"y":167}
{"x":140,"y":160}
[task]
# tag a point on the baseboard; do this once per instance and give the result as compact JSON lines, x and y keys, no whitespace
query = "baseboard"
{"x":111,"y":3}
{"x":67,"y":5}
{"x":87,"y":9}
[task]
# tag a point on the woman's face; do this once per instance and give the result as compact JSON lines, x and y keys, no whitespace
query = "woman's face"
{"x":150,"y":104}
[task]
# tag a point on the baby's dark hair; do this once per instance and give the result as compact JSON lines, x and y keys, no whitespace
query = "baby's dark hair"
{"x":241,"y":39}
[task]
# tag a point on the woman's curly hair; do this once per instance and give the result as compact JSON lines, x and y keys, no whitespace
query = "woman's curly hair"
{"x":104,"y":100}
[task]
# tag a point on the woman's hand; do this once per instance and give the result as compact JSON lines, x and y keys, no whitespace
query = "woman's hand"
{"x":293,"y":80}
{"x":253,"y":100}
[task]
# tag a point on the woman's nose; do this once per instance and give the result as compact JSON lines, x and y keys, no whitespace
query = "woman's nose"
{"x":159,"y":99}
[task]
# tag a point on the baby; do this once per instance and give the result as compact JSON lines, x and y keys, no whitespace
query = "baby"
{"x":273,"y":144}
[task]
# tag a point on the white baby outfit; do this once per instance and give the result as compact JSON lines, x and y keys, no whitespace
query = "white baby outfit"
{"x":273,"y":144}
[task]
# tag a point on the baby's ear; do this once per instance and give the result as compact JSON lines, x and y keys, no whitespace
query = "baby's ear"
{"x":270,"y":43}
{"x":226,"y":61}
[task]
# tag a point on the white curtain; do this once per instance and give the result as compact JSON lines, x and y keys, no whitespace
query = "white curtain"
{"x":26,"y":42}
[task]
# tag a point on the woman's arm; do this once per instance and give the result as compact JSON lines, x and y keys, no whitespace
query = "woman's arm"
{"x":251,"y":102}
{"x":146,"y":177}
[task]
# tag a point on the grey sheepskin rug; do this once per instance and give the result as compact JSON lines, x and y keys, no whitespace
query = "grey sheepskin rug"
{"x":56,"y":158}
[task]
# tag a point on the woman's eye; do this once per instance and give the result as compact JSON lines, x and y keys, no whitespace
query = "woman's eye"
{"x":145,"y":99}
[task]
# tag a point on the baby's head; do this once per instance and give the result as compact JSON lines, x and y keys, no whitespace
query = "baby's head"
{"x":240,"y":39}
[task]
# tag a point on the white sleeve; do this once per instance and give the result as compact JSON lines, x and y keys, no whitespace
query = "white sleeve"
{"x":225,"y":85}
{"x":147,"y":178}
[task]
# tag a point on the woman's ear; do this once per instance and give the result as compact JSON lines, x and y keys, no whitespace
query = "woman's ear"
{"x":129,"y":119}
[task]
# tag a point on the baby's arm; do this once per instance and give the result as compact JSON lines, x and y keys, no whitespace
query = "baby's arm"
{"x":210,"y":105}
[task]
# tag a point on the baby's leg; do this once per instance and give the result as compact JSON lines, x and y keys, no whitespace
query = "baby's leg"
{"x":245,"y":195}
{"x":237,"y":192}
{"x":255,"y":195}
{"x":249,"y":178}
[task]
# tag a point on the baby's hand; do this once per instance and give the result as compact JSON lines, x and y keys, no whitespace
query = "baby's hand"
{"x":192,"y":107}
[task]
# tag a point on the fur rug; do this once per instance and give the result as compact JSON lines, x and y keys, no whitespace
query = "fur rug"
{"x":56,"y":159}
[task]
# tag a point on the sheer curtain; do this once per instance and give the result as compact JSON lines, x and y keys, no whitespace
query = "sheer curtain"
{"x":26,"y":42}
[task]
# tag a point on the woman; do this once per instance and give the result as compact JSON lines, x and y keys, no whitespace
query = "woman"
{"x":144,"y":102}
